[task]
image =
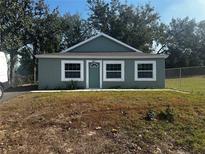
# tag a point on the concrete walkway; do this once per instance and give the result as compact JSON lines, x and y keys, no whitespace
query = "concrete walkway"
{"x":107,"y":90}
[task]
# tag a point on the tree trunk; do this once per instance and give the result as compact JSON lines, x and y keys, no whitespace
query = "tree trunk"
{"x":11,"y":68}
{"x":34,"y":62}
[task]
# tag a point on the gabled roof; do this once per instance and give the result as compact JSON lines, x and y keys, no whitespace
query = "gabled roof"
{"x":99,"y":35}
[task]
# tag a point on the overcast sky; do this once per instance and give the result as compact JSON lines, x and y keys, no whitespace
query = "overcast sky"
{"x":167,"y":9}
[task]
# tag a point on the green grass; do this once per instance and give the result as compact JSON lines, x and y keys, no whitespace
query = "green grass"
{"x":191,"y":84}
{"x":67,"y":122}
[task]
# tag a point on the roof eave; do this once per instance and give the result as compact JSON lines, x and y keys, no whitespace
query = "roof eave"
{"x":101,"y":57}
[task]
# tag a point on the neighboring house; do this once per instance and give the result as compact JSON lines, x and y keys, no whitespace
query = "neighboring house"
{"x":101,"y":62}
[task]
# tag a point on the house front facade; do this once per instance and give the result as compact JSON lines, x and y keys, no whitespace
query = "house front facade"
{"x":101,"y":62}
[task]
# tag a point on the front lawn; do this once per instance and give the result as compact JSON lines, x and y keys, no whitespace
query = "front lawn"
{"x":102,"y":122}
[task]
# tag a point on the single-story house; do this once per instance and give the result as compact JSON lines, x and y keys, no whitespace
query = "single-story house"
{"x":101,"y":62}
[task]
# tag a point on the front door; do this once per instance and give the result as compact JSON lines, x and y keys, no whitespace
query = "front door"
{"x":94,"y":74}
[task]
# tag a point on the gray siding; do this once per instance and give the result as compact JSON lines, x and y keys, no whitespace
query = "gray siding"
{"x":49,"y":75}
{"x":130,"y":78}
{"x":101,"y":44}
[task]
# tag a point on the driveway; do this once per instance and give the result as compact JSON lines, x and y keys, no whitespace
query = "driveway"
{"x":10,"y":95}
{"x":17,"y":91}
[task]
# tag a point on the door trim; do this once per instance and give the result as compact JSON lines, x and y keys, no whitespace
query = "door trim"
{"x":87,"y":72}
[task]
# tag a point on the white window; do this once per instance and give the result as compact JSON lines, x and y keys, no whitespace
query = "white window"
{"x":145,"y":70}
{"x":113,"y":71}
{"x":72,"y":70}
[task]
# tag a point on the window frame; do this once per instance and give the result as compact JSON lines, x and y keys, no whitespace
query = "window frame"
{"x":113,"y":62}
{"x":63,"y":62}
{"x":153,"y":70}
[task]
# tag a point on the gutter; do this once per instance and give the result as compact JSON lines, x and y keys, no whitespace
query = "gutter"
{"x":100,"y":57}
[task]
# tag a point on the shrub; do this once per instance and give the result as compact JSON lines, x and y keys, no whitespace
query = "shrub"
{"x":72,"y":85}
{"x":115,"y":87}
{"x":167,"y":115}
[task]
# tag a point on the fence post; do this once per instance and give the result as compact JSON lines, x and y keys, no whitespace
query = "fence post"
{"x":180,"y":76}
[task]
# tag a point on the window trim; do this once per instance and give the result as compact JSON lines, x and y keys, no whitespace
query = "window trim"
{"x":63,"y":62}
{"x":153,"y":71}
{"x":114,"y":62}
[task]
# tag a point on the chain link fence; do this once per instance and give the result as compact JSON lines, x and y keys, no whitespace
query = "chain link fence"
{"x":22,"y":79}
{"x":190,"y":79}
